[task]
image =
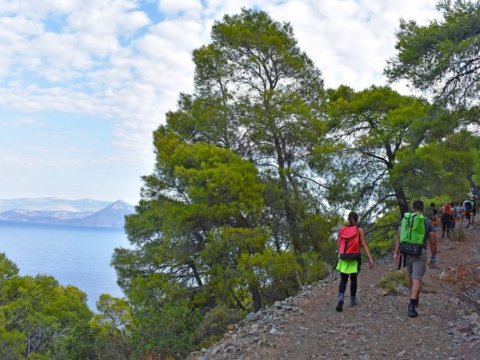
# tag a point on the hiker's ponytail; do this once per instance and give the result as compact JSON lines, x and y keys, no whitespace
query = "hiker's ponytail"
{"x":352,"y":219}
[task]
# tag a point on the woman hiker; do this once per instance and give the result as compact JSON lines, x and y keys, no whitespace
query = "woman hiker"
{"x":350,"y":238}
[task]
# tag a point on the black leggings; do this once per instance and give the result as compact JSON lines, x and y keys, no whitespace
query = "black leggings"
{"x":343,"y":283}
{"x":447,"y":220}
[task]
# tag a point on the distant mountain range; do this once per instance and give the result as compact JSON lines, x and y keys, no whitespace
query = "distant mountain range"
{"x":83,"y":212}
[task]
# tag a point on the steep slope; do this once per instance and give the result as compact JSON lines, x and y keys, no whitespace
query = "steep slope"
{"x":308,"y":327}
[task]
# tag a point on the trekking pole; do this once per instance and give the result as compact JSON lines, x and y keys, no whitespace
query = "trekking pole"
{"x":400,"y":262}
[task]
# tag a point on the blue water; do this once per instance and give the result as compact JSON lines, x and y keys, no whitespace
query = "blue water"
{"x":73,"y":255}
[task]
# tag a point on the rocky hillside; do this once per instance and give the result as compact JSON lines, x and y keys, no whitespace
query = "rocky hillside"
{"x":308,"y":327}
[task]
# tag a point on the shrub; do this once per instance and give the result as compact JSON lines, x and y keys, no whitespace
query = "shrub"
{"x":457,"y":234}
{"x":214,"y":324}
{"x":393,"y":279}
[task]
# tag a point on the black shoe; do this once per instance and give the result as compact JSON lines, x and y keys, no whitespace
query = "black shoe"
{"x":411,"y":310}
{"x":339,"y":306}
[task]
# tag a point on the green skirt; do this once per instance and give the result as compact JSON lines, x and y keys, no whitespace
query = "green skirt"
{"x":348,"y":266}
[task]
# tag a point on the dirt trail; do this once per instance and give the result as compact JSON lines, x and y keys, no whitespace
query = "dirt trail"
{"x":377,"y":328}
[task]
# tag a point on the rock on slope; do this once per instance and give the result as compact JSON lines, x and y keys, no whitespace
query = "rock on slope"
{"x":308,"y":327}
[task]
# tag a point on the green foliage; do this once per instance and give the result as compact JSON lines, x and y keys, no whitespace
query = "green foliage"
{"x":443,"y":55}
{"x":376,"y":132}
{"x":39,"y":312}
{"x":381,"y":235}
{"x":314,"y":268}
{"x":12,"y":344}
{"x":112,"y":326}
{"x":168,"y":329}
{"x":214,"y":324}
{"x":7,"y":269}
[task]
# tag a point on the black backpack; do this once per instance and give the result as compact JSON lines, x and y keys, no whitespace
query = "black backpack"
{"x":468,"y":206}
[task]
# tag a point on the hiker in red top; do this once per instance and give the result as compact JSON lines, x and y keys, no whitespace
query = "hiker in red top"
{"x":447,"y":218}
{"x":350,"y":238}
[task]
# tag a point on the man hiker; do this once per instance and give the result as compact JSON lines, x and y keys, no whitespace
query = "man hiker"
{"x":411,"y":247}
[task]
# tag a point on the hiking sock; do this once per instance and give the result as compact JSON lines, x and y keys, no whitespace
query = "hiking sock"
{"x":411,"y":308}
{"x":415,"y":302}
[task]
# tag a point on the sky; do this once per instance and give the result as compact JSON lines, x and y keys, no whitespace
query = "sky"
{"x":83,"y":83}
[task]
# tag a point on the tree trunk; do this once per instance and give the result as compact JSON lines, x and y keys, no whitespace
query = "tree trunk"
{"x":256,"y":297}
{"x":401,"y":200}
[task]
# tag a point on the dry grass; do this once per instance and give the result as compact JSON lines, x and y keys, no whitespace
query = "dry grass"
{"x":391,"y":281}
{"x":463,"y":281}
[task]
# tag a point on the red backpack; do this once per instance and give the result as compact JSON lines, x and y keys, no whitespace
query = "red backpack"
{"x":349,"y":243}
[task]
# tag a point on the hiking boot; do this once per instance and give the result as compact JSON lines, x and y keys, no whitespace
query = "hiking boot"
{"x":411,"y":310}
{"x":339,"y":306}
{"x":353,"y":301}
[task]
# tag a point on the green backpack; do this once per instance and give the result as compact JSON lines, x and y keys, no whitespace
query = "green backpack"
{"x":412,"y":234}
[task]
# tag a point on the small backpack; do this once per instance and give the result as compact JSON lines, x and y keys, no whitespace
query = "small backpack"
{"x":468,"y":206}
{"x":412,"y":234}
{"x":447,"y":209}
{"x":349,"y":244}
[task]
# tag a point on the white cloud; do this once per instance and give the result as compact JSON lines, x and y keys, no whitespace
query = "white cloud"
{"x":23,"y":121}
{"x":187,"y":8}
{"x":108,"y":59}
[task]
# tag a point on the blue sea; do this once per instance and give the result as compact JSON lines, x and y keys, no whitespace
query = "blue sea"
{"x":76,"y":256}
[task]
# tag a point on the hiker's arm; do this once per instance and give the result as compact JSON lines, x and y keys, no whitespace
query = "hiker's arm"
{"x":396,"y":254}
{"x":365,"y":248}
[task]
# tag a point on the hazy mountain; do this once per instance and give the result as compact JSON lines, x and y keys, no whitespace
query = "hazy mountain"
{"x":41,"y":216}
{"x":53,"y":204}
{"x":110,"y":216}
{"x":54,"y":211}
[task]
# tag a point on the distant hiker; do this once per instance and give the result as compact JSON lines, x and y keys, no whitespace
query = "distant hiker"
{"x":432,"y":214}
{"x":468,"y":212}
{"x":411,"y":247}
{"x":454,"y":215}
{"x":447,"y":218}
{"x":461,"y":213}
{"x":350,"y":238}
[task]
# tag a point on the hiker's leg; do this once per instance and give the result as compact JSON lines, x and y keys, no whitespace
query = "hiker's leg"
{"x":418,"y":269}
{"x":353,"y":285}
{"x":353,"y":289}
{"x":341,"y":291}
{"x":343,"y":285}
{"x":416,"y":286}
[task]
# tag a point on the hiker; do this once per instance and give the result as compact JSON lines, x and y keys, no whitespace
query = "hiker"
{"x":461,"y":213}
{"x":474,"y":212}
{"x":350,"y":238}
{"x":454,"y":215}
{"x":411,"y":249}
{"x":468,"y":212}
{"x":447,"y":218}
{"x":432,"y":214}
